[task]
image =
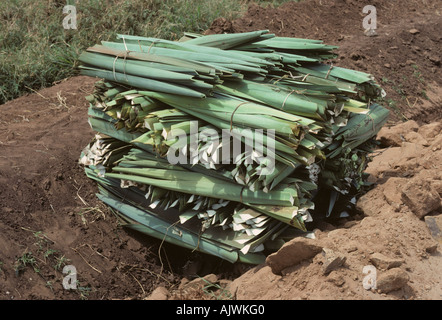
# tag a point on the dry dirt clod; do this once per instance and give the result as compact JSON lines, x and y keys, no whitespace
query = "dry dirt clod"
{"x":394,"y":136}
{"x":160,"y":293}
{"x":391,"y":280}
{"x":332,"y":260}
{"x":337,"y":279}
{"x":420,"y":197}
{"x":434,"y":224}
{"x":199,"y":283}
{"x":381,"y":261}
{"x":415,"y":137}
{"x":392,"y":191}
{"x":292,"y":253}
{"x":431,"y":130}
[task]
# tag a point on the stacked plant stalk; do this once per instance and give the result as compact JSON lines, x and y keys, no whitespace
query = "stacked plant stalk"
{"x":229,"y":144}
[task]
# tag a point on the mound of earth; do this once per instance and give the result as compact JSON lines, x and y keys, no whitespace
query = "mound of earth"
{"x":50,"y":217}
{"x":404,"y":56}
{"x":397,"y":235}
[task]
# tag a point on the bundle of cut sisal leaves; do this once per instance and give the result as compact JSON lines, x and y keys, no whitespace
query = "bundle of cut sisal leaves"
{"x":230,"y":144}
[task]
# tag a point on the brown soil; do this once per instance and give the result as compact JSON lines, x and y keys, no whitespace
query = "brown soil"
{"x":49,"y":211}
{"x":406,"y":62}
{"x":49,"y":204}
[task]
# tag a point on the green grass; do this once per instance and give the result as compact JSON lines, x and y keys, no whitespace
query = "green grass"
{"x":26,"y":259}
{"x":36,"y":51}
